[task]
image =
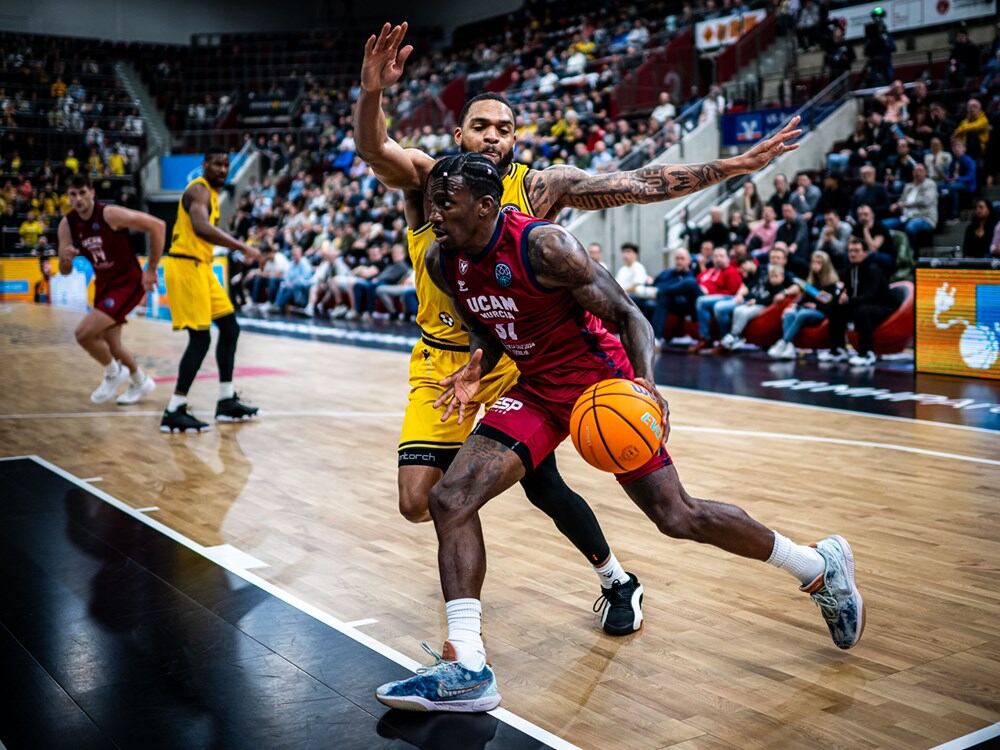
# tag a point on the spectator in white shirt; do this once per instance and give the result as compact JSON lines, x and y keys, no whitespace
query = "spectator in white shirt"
{"x":937,"y":161}
{"x":596,"y":253}
{"x":632,"y":274}
{"x":665,"y":109}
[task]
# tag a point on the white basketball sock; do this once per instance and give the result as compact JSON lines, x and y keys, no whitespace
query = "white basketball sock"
{"x":226,"y":390}
{"x":111,"y":370}
{"x":465,"y":626}
{"x":138,"y":376}
{"x":176,"y":402}
{"x":803,"y":562}
{"x":611,"y":572}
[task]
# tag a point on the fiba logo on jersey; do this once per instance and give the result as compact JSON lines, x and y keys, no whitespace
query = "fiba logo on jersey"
{"x":503,"y":274}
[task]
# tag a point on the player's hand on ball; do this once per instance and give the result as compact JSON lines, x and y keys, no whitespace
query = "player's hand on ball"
{"x":664,"y":407}
{"x":460,"y":389}
{"x":384,"y":60}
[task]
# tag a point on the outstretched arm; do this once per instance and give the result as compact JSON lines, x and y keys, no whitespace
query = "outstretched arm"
{"x":196,"y":201}
{"x":382,"y":67}
{"x":120,"y":217}
{"x":550,"y":190}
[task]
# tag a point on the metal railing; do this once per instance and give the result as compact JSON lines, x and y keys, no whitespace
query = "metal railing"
{"x":687,"y":120}
{"x":813,"y":112}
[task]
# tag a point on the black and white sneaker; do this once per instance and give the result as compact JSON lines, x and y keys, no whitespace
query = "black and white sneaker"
{"x":620,"y":607}
{"x":233,"y":410}
{"x":180,"y":420}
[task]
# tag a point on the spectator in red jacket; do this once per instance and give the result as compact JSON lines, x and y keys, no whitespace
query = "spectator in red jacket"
{"x":719,"y":283}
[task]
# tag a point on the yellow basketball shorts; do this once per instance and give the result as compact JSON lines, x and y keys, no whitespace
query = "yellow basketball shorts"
{"x":194,"y":294}
{"x":425,"y":440}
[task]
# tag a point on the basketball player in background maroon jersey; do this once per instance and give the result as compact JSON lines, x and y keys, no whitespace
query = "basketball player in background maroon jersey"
{"x":100,"y":232}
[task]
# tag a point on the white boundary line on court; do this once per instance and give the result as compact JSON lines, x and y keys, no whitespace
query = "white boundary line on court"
{"x":682,"y":427}
{"x":834,"y":409}
{"x":972,"y":739}
{"x":836,"y":441}
{"x":264,"y":413}
{"x":532,"y":730}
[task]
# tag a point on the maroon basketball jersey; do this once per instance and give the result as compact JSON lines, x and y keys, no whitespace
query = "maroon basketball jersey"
{"x":108,"y":250}
{"x":550,"y":337}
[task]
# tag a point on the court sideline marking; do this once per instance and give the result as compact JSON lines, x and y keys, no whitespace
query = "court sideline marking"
{"x":532,"y":730}
{"x":682,"y":427}
{"x":972,"y":739}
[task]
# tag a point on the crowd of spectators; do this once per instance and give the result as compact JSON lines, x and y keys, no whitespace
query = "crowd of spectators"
{"x":63,"y":113}
{"x":827,"y":245}
{"x":318,"y":198}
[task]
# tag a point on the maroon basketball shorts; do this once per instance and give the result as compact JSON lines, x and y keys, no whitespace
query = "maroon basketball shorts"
{"x":532,"y":419}
{"x":119,"y":298}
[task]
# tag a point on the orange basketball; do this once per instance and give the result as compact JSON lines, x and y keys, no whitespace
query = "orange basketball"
{"x":615,"y":425}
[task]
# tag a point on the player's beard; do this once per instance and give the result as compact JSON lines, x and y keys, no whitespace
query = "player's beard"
{"x":503,"y":165}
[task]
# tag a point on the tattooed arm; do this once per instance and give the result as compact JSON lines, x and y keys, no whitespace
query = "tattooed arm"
{"x":559,"y":260}
{"x":480,"y":336}
{"x":550,"y":190}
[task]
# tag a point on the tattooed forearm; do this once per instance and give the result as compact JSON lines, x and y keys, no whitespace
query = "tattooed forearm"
{"x":557,"y":187}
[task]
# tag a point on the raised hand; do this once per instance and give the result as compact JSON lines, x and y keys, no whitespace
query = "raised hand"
{"x":770,"y":148}
{"x":384,"y":60}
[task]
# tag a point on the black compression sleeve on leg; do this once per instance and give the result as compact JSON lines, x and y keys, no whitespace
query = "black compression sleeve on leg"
{"x":225,"y":347}
{"x":194,"y":355}
{"x":548,"y":492}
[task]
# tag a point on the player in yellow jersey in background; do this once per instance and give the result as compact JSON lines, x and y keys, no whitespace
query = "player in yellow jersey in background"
{"x":197,"y":298}
{"x":487,"y":126}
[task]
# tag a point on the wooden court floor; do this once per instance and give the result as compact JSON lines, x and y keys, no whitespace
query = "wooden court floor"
{"x":731,"y":656}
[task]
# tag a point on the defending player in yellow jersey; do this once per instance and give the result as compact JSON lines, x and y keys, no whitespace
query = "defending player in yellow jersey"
{"x":197,"y":298}
{"x":486,"y":125}
{"x":443,"y":348}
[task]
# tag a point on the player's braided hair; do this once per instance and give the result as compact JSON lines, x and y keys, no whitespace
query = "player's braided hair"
{"x":478,"y":173}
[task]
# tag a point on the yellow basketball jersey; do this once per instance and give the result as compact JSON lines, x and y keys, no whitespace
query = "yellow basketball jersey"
{"x":435,"y":315}
{"x":184,"y":241}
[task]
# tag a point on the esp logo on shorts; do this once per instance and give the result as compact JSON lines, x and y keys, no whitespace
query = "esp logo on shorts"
{"x":505,"y":405}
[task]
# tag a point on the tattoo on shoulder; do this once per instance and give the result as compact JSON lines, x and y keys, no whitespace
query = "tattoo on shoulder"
{"x":558,"y":258}
{"x":559,"y":186}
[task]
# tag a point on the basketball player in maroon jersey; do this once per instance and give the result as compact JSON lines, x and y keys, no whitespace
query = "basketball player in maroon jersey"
{"x":100,"y":232}
{"x":527,"y":288}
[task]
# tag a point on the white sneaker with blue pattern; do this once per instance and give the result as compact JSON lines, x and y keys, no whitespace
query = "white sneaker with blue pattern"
{"x":836,"y":593}
{"x":446,"y":685}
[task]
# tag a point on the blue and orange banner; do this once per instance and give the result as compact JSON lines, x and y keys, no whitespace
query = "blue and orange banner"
{"x":958,"y":321}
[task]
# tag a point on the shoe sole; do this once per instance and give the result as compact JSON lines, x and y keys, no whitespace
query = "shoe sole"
{"x":224,"y":418}
{"x":636,"y":622}
{"x":416,"y":703}
{"x":142,"y":393}
{"x":849,"y":556}
{"x":164,"y":428}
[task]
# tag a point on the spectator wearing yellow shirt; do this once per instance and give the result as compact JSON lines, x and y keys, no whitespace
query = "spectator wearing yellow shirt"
{"x":116,"y":162}
{"x":95,"y":165}
{"x":974,"y":124}
{"x":58,"y":89}
{"x":31,"y":229}
{"x":65,"y":204}
{"x":72,"y":163}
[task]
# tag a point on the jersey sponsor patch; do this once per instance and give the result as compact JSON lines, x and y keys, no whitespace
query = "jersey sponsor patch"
{"x":447,"y":319}
{"x":505,"y":405}
{"x":109,"y":302}
{"x":503,"y":274}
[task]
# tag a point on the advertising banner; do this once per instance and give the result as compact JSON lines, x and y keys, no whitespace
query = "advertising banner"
{"x":746,"y":128}
{"x":721,"y":32}
{"x":958,"y":320}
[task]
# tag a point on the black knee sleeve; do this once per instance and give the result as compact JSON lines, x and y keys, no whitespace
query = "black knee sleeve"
{"x":225,"y":348}
{"x":194,"y":355}
{"x":548,"y":492}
